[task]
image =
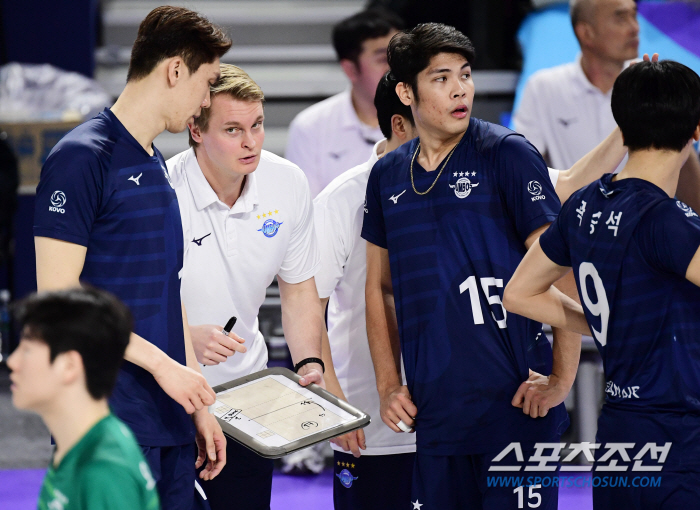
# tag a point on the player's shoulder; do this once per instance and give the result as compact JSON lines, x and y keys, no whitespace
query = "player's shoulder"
{"x":671,"y":211}
{"x":490,"y":140}
{"x":320,"y":113}
{"x":93,"y":140}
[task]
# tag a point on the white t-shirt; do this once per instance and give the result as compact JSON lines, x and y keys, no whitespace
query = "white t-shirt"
{"x":233,"y":254}
{"x":328,"y":138}
{"x":563,"y":114}
{"x":338,"y":212}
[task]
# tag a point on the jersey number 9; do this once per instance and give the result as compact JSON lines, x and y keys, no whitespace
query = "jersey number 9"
{"x":600,"y":308}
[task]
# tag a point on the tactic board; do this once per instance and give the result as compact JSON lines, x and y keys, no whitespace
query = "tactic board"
{"x":270,"y":413}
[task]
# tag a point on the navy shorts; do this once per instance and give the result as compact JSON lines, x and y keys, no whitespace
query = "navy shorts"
{"x":675,"y":485}
{"x":372,"y":481}
{"x":173,"y":470}
{"x":245,"y":483}
{"x":461,"y":482}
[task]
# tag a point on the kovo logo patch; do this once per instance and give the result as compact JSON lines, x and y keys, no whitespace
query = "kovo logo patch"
{"x":535,"y":188}
{"x":58,"y":200}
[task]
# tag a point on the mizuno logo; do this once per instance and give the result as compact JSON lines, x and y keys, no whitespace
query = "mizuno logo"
{"x":198,"y":242}
{"x":136,"y":179}
{"x":396,"y":198}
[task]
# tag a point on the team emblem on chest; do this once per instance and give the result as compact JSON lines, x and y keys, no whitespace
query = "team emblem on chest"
{"x":463,"y":187}
{"x":270,"y":228}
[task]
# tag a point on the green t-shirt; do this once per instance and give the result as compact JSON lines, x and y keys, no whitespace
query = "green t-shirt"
{"x":105,"y":470}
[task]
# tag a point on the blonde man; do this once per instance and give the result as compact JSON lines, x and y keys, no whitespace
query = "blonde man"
{"x":246,"y":216}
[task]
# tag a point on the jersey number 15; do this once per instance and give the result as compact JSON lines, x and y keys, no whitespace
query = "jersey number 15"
{"x":470,"y":285}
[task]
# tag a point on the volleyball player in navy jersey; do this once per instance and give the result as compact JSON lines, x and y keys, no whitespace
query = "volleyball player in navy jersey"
{"x":106,"y":213}
{"x":448,"y":217}
{"x":635,"y":253}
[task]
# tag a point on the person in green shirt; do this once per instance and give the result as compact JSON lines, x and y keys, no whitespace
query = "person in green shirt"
{"x":65,"y":367}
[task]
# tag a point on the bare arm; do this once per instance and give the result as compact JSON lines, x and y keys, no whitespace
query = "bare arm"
{"x":384,"y":346}
{"x":689,"y":182}
{"x":603,"y":159}
{"x":693,"y":272}
{"x":531,"y":293}
{"x":352,"y":441}
{"x":58,"y":266}
{"x":302,"y":322}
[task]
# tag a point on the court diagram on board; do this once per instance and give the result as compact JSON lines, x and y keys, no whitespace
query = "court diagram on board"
{"x":277,"y":408}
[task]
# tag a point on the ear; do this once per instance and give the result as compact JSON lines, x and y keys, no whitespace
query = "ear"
{"x":696,"y":133}
{"x":195,"y":132}
{"x":403,"y":90}
{"x":350,"y":69}
{"x":398,"y":127}
{"x":175,"y":67}
{"x":70,"y":365}
{"x":585,"y":33}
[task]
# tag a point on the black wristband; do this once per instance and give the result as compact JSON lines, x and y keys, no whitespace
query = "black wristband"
{"x":306,"y":361}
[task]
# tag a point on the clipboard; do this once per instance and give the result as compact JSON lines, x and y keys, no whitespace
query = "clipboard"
{"x":271,"y":414}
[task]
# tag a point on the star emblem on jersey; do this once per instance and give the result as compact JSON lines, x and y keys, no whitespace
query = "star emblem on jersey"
{"x":346,"y":478}
{"x":270,"y":228}
{"x":416,"y":505}
{"x":198,"y":242}
{"x":395,"y":198}
{"x":463,"y":186}
{"x":136,"y":179}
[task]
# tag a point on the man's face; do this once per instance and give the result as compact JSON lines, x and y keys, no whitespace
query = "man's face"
{"x":371,"y":65}
{"x":235,"y":135}
{"x":615,"y":29}
{"x":34,"y":378}
{"x":193,"y":94}
{"x":445,"y":94}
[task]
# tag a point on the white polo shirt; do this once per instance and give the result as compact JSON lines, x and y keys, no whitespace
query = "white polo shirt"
{"x":232,"y":254}
{"x":338,"y":212}
{"x":563,"y":114}
{"x":328,"y":138}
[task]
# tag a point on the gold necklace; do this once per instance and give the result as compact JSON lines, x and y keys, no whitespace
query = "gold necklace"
{"x":438,"y":175}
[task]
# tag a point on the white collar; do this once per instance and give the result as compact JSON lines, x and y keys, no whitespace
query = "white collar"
{"x":204,"y":195}
{"x":379,"y":148}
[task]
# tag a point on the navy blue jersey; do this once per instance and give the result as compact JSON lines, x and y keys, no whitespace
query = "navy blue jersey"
{"x":630,"y":245}
{"x":100,"y":189}
{"x":452,"y":252}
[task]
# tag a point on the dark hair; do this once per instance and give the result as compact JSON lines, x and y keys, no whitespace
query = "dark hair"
{"x":352,"y":32}
{"x":410,"y":51}
{"x":175,"y":32}
{"x":388,"y":104}
{"x":90,"y":321}
{"x":657,"y":105}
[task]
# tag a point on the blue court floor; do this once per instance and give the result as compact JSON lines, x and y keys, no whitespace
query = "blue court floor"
{"x":19,"y":490}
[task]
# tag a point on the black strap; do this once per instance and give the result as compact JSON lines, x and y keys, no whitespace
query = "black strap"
{"x":306,"y":361}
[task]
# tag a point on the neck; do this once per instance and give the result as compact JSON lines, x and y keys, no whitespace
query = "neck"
{"x":70,"y":418}
{"x":364,"y":109}
{"x":227,"y":185}
{"x":392,"y":144}
{"x":600,"y":72}
{"x":661,"y":168}
{"x":434,"y":149}
{"x":137,"y":98}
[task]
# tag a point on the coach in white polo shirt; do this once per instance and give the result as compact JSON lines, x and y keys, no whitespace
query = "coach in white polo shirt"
{"x":381,"y":476}
{"x":338,"y":133}
{"x":247,"y":217}
{"x":565,"y":111}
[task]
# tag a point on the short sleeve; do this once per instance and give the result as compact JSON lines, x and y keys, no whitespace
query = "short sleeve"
{"x":333,"y":248}
{"x":373,"y":228}
{"x":68,"y":195}
{"x":555,"y":240}
{"x":528,"y":118}
{"x":525,"y":185}
{"x":108,"y":486}
{"x":658,"y":234}
{"x":301,"y":260}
